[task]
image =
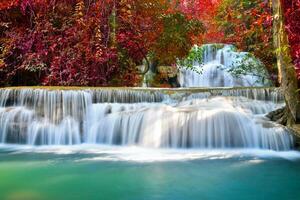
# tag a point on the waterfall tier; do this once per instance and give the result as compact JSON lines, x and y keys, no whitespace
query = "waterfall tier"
{"x":222,"y":66}
{"x":196,"y":118}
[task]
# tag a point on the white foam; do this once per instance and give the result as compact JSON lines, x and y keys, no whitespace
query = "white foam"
{"x":138,"y":154}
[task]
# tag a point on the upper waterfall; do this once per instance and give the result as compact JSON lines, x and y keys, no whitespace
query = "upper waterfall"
{"x":222,"y":66}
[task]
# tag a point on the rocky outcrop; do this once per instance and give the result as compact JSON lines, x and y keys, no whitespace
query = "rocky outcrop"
{"x":279,"y":116}
{"x":164,"y":76}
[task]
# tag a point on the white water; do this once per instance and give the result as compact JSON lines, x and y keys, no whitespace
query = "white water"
{"x":214,"y":71}
{"x":228,"y":118}
{"x":90,"y":152}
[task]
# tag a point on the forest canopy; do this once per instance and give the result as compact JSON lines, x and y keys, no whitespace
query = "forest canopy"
{"x":103,"y":42}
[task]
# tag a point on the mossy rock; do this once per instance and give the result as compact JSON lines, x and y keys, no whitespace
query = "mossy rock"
{"x":167,"y":71}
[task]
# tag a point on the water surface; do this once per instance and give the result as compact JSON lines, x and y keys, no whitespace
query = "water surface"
{"x":97,"y":172}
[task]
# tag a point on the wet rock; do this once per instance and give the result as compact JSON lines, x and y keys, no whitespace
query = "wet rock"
{"x":279,"y":116}
{"x":108,"y":110}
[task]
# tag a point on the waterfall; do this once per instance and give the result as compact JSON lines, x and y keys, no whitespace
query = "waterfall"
{"x":155,"y":118}
{"x":217,"y":66}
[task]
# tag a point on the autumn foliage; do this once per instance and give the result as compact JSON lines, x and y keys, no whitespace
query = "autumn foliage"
{"x":291,"y":10}
{"x":248,"y":25}
{"x":91,"y":42}
{"x":103,"y":42}
{"x":53,"y":43}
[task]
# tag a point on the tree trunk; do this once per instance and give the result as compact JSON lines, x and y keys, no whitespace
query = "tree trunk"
{"x":153,"y":66}
{"x":287,"y":73}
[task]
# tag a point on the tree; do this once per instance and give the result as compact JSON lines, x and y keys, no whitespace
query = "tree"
{"x":248,"y":24}
{"x":83,"y":42}
{"x":174,"y":32}
{"x":288,"y":78}
{"x":291,"y":12}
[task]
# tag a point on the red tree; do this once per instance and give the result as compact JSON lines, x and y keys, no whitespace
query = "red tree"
{"x":100,"y":42}
{"x":291,"y":10}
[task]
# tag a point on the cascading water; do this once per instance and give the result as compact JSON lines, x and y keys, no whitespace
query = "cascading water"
{"x":217,"y":66}
{"x":175,"y":118}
